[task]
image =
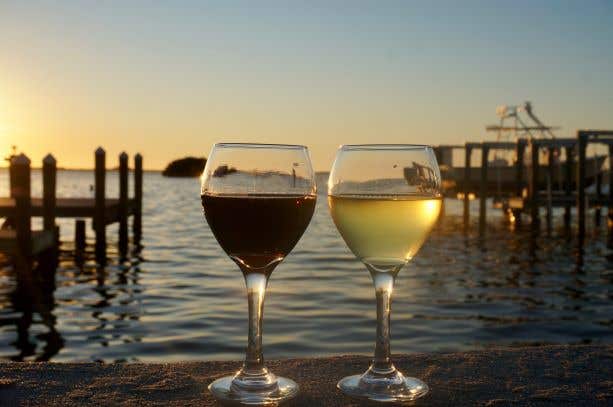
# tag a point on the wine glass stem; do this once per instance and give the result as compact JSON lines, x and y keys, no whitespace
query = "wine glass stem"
{"x":384,"y":285}
{"x":256,"y":291}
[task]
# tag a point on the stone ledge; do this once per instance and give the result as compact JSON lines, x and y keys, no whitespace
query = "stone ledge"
{"x":549,"y":375}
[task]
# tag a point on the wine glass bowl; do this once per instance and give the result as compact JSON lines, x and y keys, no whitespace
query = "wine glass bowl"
{"x":258,"y":199}
{"x":384,"y":200}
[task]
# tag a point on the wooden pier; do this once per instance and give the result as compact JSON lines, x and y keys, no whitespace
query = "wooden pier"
{"x":526,"y":195}
{"x":17,"y":237}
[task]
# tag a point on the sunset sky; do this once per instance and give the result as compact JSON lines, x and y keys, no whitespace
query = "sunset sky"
{"x":169,"y":79}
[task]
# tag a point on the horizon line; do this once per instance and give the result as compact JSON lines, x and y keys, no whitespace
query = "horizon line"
{"x":130,"y":169}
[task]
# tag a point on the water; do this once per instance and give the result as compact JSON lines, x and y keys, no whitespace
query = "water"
{"x":185,"y":300}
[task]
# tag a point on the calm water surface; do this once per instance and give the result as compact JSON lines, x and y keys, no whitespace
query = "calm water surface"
{"x":183,"y":299}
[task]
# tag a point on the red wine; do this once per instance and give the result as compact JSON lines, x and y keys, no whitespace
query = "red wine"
{"x":258,"y":231}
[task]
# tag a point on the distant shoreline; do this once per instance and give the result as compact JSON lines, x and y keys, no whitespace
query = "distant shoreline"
{"x":83,"y":169}
{"x":130,"y":169}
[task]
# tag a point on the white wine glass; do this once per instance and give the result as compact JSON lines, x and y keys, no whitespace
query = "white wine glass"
{"x":384,"y":200}
{"x":258,"y":199}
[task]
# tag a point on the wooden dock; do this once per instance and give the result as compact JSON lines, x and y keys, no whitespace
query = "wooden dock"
{"x":521,"y":197}
{"x":17,"y":237}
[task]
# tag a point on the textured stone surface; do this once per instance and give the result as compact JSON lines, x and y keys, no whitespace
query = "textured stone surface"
{"x":549,"y":375}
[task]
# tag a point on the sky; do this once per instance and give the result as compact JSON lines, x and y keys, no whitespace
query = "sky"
{"x":169,"y":79}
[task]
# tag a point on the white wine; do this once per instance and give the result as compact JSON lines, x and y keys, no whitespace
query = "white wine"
{"x":384,"y":230}
{"x":384,"y":200}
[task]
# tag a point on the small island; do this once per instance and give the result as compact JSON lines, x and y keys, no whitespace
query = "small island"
{"x":185,"y":167}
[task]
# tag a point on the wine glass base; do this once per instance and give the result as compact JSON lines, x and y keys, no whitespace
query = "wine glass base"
{"x":223,"y":391}
{"x":409,"y":389}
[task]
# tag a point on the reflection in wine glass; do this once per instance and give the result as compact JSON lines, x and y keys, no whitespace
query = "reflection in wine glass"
{"x":384,"y":200}
{"x":258,"y":199}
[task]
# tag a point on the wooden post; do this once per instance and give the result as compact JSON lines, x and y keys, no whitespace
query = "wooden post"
{"x":520,"y":150}
{"x":80,"y":236}
{"x":100,"y":202}
{"x":466,"y":186}
{"x":49,"y":188}
{"x":483,"y":186}
{"x":519,"y":166}
{"x":568,"y":185}
{"x":123,"y":204}
{"x":550,"y":174}
{"x":20,"y":191}
{"x":597,"y":213}
{"x":534,"y":181}
{"x":582,"y":146}
{"x":79,"y":242}
{"x":137,"y":223}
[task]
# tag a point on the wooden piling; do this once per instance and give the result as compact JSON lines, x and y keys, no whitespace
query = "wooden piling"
{"x":99,"y":216}
{"x":520,"y":150}
{"x":582,"y":139}
{"x":466,"y":186}
{"x":550,"y":176}
{"x":49,"y":192}
{"x":80,"y":242}
{"x":519,"y":166}
{"x":534,"y":198}
{"x":483,"y":187}
{"x":80,"y":236}
{"x":568,"y":184}
{"x":123,"y":205}
{"x":597,"y":212}
{"x":20,"y":191}
{"x":137,"y":223}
